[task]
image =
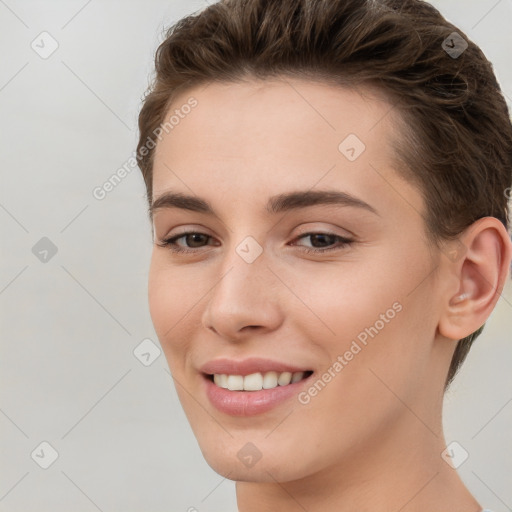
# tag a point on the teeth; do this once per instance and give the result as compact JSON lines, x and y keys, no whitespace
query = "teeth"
{"x":285,"y":378}
{"x":297,"y":376}
{"x":235,"y":383}
{"x":253,"y":382}
{"x":270,"y":380}
{"x":221,"y":380}
{"x":256,"y":381}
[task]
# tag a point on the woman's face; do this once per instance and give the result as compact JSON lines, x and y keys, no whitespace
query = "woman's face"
{"x":362,"y":315}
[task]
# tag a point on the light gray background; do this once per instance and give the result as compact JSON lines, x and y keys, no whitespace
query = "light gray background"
{"x":70,"y":325}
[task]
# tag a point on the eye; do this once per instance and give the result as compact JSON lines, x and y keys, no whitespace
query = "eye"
{"x":324,"y":239}
{"x":194,"y":238}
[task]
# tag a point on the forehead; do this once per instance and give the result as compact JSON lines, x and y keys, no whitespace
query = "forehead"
{"x":259,"y":110}
{"x":275,"y":134}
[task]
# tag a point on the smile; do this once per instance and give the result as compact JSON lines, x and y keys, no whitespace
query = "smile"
{"x":258,"y":381}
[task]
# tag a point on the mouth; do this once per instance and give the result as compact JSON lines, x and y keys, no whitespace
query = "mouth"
{"x":252,"y":386}
{"x":257,"y":381}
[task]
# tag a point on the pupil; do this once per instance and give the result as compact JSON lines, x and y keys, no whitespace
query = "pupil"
{"x":193,"y":237}
{"x":324,"y":237}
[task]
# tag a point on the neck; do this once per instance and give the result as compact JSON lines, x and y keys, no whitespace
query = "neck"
{"x":402,"y":470}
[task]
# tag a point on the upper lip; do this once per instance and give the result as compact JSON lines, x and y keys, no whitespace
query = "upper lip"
{"x":248,"y":366}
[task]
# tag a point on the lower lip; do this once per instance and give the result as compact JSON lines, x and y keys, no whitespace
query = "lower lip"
{"x":250,"y":403}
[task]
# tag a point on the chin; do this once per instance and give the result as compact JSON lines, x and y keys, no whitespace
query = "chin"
{"x":243,"y":465}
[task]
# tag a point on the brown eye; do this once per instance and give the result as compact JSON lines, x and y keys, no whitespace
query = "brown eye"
{"x":321,"y":242}
{"x":193,"y":240}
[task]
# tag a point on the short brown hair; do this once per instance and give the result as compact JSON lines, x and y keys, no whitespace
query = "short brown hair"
{"x":458,"y":146}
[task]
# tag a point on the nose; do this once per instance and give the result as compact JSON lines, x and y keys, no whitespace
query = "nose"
{"x":244,"y":300}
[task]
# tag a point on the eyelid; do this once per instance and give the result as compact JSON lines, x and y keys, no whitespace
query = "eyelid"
{"x":346,"y":233}
{"x":184,"y":230}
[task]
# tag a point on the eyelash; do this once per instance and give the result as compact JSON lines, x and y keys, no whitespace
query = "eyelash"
{"x":170,"y":243}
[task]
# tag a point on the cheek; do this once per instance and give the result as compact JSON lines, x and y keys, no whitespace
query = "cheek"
{"x":348,"y":302}
{"x":392,"y":362}
{"x":368,"y":317}
{"x":171,"y":298}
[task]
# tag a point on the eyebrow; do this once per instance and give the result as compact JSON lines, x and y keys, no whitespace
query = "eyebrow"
{"x":276,"y":204}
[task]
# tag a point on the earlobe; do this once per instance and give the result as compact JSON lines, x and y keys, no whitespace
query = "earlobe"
{"x":480,"y":277}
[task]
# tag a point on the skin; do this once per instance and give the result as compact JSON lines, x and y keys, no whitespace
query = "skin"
{"x":371,"y":439}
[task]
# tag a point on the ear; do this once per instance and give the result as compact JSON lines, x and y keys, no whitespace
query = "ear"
{"x":475,"y":280}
